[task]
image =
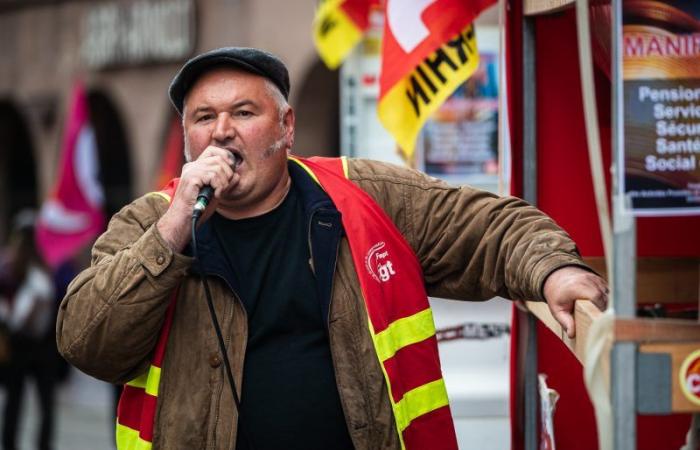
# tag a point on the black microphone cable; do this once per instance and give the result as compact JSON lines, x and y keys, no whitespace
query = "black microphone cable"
{"x":217,"y":327}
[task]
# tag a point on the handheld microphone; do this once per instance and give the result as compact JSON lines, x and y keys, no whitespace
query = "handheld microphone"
{"x":207,"y":192}
{"x":203,"y":199}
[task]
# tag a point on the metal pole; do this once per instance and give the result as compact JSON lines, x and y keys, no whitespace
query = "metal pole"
{"x":529,"y":112}
{"x":623,"y":363}
{"x":623,"y":374}
{"x":529,"y":89}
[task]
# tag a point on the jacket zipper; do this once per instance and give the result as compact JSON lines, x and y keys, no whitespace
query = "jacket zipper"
{"x":333,"y":357}
{"x":330,"y":300}
{"x":311,"y":261}
{"x":308,"y":241}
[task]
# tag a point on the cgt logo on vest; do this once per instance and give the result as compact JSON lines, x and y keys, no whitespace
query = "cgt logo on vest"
{"x":378,"y":263}
{"x":690,"y":377}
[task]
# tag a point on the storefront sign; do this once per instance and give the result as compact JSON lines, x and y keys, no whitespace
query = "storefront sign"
{"x":661,"y":70}
{"x":143,"y":31}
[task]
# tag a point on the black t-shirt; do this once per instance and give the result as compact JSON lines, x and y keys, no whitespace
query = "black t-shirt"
{"x":289,"y":398}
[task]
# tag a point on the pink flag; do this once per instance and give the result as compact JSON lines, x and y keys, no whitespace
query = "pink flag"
{"x":72,"y":215}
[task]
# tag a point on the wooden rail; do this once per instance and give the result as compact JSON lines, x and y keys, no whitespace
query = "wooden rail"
{"x":584,"y":314}
{"x":677,"y":339}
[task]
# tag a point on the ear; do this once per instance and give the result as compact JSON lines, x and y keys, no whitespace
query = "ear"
{"x":288,"y":121}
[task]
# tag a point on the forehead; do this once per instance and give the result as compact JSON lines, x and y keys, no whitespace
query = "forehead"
{"x":226,"y":82}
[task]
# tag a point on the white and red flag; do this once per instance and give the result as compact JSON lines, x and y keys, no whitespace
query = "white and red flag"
{"x":72,"y":215}
{"x":429,"y":49}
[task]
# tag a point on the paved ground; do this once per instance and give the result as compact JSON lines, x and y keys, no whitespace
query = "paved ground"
{"x":475,"y":371}
{"x":83,"y":419}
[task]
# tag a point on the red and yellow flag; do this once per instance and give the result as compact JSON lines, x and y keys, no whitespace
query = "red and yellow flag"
{"x":338,"y":26}
{"x":429,"y":49}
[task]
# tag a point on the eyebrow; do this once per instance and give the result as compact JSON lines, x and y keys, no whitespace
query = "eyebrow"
{"x":235,"y":105}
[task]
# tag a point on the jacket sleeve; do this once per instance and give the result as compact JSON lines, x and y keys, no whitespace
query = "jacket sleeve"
{"x":471,"y":244}
{"x":110,"y":319}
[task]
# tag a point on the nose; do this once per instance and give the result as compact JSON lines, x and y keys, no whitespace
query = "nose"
{"x":224,"y":130}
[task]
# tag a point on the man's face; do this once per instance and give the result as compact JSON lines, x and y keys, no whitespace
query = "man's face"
{"x":236,"y":111}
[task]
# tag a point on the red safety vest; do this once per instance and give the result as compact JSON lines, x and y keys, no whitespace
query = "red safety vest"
{"x":400,"y":324}
{"x":136,"y":410}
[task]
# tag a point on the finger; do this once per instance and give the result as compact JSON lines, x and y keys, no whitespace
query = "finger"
{"x":219,"y":181}
{"x":192,"y":179}
{"x":588,"y":289}
{"x":211,"y":151}
{"x":221,"y":163}
{"x":600,"y":300}
{"x":597,"y":292}
{"x":566,"y":320}
{"x":601,"y":283}
{"x":231,"y":184}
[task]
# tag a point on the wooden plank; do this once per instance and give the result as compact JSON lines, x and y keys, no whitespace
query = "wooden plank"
{"x":662,"y":280}
{"x":680,"y":401}
{"x":657,"y":330}
{"x":678,"y":338}
{"x":642,"y":330}
{"x":584,"y":314}
{"x":534,"y":7}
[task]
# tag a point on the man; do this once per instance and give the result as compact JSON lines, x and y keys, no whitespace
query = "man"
{"x":295,"y":298}
{"x":27,"y":312}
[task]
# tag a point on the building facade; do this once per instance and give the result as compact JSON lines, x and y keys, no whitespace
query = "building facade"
{"x":125,"y":52}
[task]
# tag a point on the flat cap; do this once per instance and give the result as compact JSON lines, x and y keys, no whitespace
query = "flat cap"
{"x":249,"y":59}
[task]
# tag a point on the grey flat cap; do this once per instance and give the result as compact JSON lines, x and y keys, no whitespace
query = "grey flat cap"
{"x":249,"y":59}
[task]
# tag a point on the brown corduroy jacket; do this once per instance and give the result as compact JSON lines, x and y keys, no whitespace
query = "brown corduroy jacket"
{"x":472,"y":245}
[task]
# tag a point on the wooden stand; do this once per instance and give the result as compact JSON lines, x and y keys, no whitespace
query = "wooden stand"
{"x":663,"y":345}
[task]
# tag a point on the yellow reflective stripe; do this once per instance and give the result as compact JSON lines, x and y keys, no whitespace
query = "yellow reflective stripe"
{"x":153,"y":381}
{"x":344,"y":160}
{"x":161,"y":194}
{"x":423,"y":399}
{"x":303,"y":166}
{"x":386,"y":378}
{"x":404,"y":332}
{"x":129,"y":439}
{"x":148,"y":381}
{"x":419,"y":401}
{"x":139,"y":382}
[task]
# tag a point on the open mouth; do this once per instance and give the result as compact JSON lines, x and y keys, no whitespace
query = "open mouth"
{"x":237,"y":159}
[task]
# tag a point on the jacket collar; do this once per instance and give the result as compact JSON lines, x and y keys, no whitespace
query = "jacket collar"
{"x":313,"y":199}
